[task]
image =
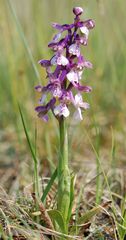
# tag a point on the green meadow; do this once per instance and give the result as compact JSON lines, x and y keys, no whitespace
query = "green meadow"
{"x":25,"y":32}
{"x":98,"y":143}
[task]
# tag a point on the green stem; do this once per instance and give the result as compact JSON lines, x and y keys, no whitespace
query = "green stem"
{"x":63,"y":172}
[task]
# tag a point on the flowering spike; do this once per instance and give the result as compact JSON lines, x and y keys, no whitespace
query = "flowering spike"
{"x":64,"y":70}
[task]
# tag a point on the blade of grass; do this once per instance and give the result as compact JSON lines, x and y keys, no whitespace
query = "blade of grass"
{"x":72,"y":188}
{"x":49,"y":185}
{"x":97,"y":147}
{"x":19,"y":29}
{"x":113,"y":148}
{"x":106,"y":180}
{"x":78,"y":205}
{"x":33,"y":153}
{"x":122,"y":225}
{"x":49,"y":152}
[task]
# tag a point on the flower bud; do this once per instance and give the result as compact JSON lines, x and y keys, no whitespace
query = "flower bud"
{"x":77,"y":11}
{"x":89,"y":23}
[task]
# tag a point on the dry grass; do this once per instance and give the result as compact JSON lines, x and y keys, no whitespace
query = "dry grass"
{"x":19,"y":217}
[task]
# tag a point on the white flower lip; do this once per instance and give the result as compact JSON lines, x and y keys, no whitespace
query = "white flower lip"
{"x":65,"y":112}
{"x":57,"y":92}
{"x":60,"y":60}
{"x":74,"y":49}
{"x":78,"y":103}
{"x":72,"y":76}
{"x":85,"y":30}
{"x":61,"y":109}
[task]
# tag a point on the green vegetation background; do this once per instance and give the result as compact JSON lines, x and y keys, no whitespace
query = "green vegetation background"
{"x":25,"y":31}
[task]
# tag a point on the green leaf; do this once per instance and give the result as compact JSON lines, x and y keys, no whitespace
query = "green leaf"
{"x":72,"y":184}
{"x":57,"y":217}
{"x":27,"y":135}
{"x":49,"y":152}
{"x":32,"y":150}
{"x":84,"y":219}
{"x":91,"y":213}
{"x":87,"y":216}
{"x":49,"y":185}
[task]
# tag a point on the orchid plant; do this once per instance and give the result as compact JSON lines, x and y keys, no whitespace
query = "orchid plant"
{"x":64,"y":89}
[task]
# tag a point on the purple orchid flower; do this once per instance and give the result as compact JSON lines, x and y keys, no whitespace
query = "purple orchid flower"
{"x":79,"y":104}
{"x":65,"y":70}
